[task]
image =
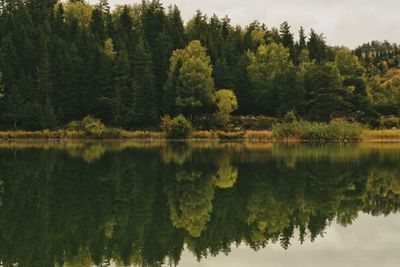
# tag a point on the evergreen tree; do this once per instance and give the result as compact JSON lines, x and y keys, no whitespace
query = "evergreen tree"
{"x":97,"y":25}
{"x":14,"y":107}
{"x":286,"y":37}
{"x":326,"y":95}
{"x":144,"y":104}
{"x":122,"y":84}
{"x":317,"y":47}
{"x":176,"y":29}
{"x":49,"y":118}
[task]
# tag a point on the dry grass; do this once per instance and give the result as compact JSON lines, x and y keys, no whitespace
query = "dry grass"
{"x":376,"y":135}
{"x":258,"y":135}
{"x":43,"y":135}
{"x":139,"y":135}
{"x":204,"y":135}
{"x":116,"y":134}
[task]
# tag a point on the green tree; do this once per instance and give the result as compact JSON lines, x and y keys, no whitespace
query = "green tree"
{"x":266,"y":65}
{"x":354,"y":80}
{"x":14,"y":107}
{"x":226,"y":104}
{"x":326,"y":95}
{"x":49,"y":118}
{"x":287,"y":37}
{"x":144,"y":103}
{"x":317,"y":47}
{"x":194,"y":86}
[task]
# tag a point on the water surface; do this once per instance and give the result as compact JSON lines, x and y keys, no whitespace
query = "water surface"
{"x":199,"y":204}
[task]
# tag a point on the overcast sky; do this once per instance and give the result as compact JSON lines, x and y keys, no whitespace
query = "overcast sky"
{"x":343,"y":22}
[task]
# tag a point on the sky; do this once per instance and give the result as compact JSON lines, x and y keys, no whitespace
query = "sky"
{"x":343,"y":22}
{"x":368,"y":242}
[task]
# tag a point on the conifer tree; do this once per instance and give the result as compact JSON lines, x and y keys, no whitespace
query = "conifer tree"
{"x":144,"y":104}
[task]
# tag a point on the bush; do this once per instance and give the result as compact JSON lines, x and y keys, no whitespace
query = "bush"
{"x":179,"y":128}
{"x":74,"y":126}
{"x":251,"y":123}
{"x":290,"y":117}
{"x":336,"y":130}
{"x":93,"y":128}
{"x":389,"y":122}
{"x":165,"y":123}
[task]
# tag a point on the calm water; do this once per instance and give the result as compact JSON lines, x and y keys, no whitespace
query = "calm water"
{"x":200,"y":204}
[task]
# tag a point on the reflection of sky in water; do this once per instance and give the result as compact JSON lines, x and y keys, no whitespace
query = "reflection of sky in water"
{"x":368,"y":242}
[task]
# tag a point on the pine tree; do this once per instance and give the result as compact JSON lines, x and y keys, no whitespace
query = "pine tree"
{"x":98,"y":26}
{"x":48,"y":116}
{"x":170,"y":89}
{"x":44,"y":83}
{"x":286,"y":37}
{"x":326,"y":95}
{"x":176,"y":29}
{"x":14,"y":107}
{"x":144,"y":104}
{"x":302,"y":39}
{"x":317,"y":47}
{"x":122,"y":86}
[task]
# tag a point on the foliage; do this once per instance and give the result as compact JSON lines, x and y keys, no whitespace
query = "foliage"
{"x":389,"y":122}
{"x":290,"y":117}
{"x":179,"y":128}
{"x":90,"y":126}
{"x":327,"y":95}
{"x":129,"y":65}
{"x":190,"y":79}
{"x":336,"y":130}
{"x":226,"y":102}
{"x":252,"y":122}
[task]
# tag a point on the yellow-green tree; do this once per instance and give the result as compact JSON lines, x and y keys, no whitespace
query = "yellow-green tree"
{"x":226,"y":102}
{"x":190,"y":80}
{"x":266,"y":66}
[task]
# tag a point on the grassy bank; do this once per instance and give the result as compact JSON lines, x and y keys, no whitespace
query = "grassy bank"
{"x":115,"y":134}
{"x":281,"y":132}
{"x":381,"y":135}
{"x":337,"y":130}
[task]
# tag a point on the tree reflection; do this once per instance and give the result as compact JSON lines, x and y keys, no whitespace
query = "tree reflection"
{"x":96,"y":204}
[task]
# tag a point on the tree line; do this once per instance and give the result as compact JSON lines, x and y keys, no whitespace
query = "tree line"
{"x":63,"y":60}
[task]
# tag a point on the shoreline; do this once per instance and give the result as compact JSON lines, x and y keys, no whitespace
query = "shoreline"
{"x":214,"y":135}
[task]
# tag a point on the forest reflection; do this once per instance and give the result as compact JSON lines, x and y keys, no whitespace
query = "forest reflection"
{"x":85,"y":204}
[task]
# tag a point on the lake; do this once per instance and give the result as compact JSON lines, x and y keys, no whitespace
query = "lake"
{"x":199,"y":204}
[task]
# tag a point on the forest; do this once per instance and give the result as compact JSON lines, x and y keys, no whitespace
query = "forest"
{"x":131,"y":65}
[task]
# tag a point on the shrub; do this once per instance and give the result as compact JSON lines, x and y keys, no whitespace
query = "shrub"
{"x":389,"y":122}
{"x":290,"y":117}
{"x":165,"y":123}
{"x":251,"y":123}
{"x":180,"y":128}
{"x":92,"y":127}
{"x":74,"y":126}
{"x":336,"y":130}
